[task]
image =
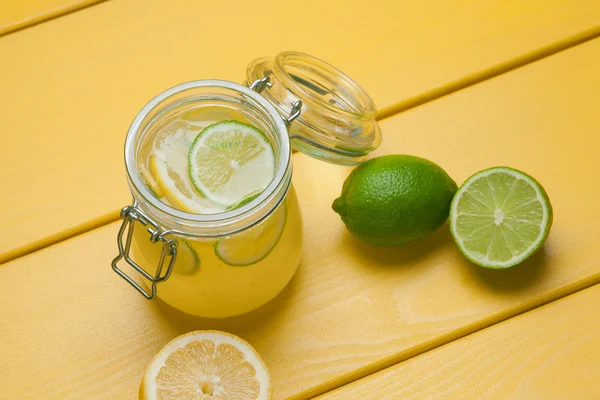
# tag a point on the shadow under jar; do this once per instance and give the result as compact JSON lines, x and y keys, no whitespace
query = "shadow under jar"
{"x":232,"y":261}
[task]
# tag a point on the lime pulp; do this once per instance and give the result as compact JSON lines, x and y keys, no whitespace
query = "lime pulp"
{"x":499,"y":217}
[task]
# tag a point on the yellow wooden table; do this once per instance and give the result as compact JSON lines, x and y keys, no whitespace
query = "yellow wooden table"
{"x":20,"y":14}
{"x":70,"y":328}
{"x":549,"y":353}
{"x":71,"y":86}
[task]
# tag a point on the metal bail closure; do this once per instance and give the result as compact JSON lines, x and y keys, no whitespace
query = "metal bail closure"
{"x":261,"y":84}
{"x":131,"y":215}
{"x":338,"y":122}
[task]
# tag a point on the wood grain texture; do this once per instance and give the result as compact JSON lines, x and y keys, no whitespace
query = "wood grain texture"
{"x":15,"y":15}
{"x":70,"y":328}
{"x":550,"y":353}
{"x":71,"y":86}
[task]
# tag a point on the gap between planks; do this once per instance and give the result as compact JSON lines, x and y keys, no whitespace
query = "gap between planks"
{"x":447,"y":338}
{"x":385,"y":113}
{"x":46,"y":16}
{"x":489,"y":73}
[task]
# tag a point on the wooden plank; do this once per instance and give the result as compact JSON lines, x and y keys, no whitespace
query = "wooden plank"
{"x":15,"y":15}
{"x":549,"y":353}
{"x":72,"y":86}
{"x":70,"y":327}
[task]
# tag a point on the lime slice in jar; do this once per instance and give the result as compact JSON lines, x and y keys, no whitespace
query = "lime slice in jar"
{"x":187,"y":261}
{"x":230,"y":160}
{"x":244,"y":201}
{"x":254,"y":244}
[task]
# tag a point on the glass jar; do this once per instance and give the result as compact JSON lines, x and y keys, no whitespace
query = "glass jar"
{"x":225,"y":264}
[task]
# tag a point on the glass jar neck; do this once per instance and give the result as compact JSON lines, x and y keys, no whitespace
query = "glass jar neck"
{"x":190,"y":96}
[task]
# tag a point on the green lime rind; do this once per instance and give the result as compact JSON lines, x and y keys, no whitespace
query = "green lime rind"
{"x":153,"y":191}
{"x":395,"y":199}
{"x":249,"y":237}
{"x":494,"y":193}
{"x":224,"y":146}
{"x":244,"y":201}
{"x":187,"y":256}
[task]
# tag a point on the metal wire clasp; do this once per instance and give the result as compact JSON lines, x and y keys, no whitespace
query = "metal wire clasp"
{"x":131,"y":215}
{"x":261,"y":84}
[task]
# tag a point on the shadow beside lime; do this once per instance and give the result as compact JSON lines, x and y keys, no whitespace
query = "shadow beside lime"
{"x":408,"y":254}
{"x":514,"y":278}
{"x":413,"y":255}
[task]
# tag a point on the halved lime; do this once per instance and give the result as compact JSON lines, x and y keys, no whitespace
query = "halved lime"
{"x":176,"y":189}
{"x":187,"y":261}
{"x":228,"y":160}
{"x":254,"y":244}
{"x":499,"y":217}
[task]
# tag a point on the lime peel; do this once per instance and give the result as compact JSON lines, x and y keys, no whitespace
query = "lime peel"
{"x":395,"y":199}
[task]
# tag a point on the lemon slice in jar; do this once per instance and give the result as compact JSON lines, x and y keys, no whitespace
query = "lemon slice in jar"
{"x":177,"y":189}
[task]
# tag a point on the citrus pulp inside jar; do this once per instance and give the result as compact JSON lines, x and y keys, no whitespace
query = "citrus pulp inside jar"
{"x":211,"y":160}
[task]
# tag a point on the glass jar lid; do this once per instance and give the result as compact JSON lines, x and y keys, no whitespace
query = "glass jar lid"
{"x":337,"y":120}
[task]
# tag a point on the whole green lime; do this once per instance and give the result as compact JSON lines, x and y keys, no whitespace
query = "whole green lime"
{"x":394,"y":200}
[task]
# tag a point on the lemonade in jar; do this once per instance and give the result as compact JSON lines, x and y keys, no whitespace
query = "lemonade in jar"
{"x":215,"y":229}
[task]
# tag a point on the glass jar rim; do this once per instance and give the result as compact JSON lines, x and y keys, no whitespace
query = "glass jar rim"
{"x":368,"y":110}
{"x":338,"y":122}
{"x":234,"y":216}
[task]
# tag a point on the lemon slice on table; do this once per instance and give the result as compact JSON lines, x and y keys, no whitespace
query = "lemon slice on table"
{"x":499,"y":217}
{"x":254,"y":244}
{"x":206,"y":365}
{"x":176,"y":189}
{"x":229,"y":160}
